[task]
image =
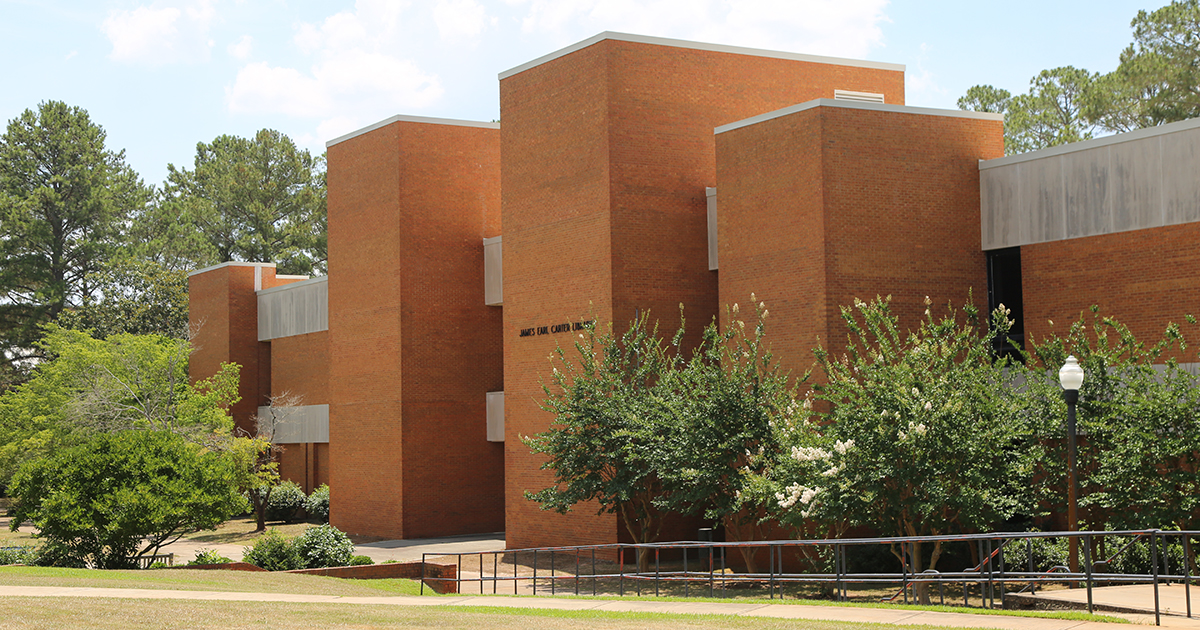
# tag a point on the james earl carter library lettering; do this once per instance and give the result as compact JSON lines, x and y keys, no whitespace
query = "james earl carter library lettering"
{"x":632,"y":173}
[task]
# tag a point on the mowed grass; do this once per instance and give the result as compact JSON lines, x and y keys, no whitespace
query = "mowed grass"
{"x":196,"y":580}
{"x":62,"y":612}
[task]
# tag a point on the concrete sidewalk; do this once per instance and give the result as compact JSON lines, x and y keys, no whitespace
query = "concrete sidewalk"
{"x":1135,"y":602}
{"x":776,"y":611}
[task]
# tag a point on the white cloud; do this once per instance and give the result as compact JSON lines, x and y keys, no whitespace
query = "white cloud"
{"x":358,"y":74}
{"x":460,"y":21}
{"x":160,"y":33}
{"x":846,"y":28}
{"x":242,"y":49}
{"x":920,"y":84}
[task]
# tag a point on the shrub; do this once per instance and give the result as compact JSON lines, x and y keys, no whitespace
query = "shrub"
{"x":209,"y":556}
{"x":18,"y":555}
{"x":121,"y":494}
{"x":285,"y":503}
{"x":274,"y":552}
{"x":318,"y":504}
{"x":158,"y":564}
{"x":324,"y":546}
{"x":357,"y":561}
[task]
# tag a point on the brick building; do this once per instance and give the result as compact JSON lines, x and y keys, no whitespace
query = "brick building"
{"x":635,"y":173}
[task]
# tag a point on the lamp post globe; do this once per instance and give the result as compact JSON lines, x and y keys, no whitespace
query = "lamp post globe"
{"x":1070,"y":376}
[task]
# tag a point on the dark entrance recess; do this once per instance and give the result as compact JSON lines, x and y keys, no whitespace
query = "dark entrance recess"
{"x":1004,"y":287}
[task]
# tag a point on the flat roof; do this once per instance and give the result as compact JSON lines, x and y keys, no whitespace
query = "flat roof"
{"x":416,"y":119}
{"x":846,"y":104}
{"x":230,"y":264}
{"x":1130,"y":136}
{"x":293,"y":285}
{"x":681,"y":43}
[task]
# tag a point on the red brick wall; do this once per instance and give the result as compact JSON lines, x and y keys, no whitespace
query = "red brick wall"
{"x":607,"y":152}
{"x":364,"y":335}
{"x":413,"y":349}
{"x":300,"y":366}
{"x":1143,"y":278}
{"x":825,"y":205}
{"x":223,"y":309}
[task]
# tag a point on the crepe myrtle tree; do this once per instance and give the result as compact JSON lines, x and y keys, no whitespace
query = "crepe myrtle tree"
{"x":606,"y":434}
{"x":721,"y":404}
{"x":918,"y":438}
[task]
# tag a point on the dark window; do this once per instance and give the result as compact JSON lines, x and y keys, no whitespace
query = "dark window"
{"x":1004,"y":287}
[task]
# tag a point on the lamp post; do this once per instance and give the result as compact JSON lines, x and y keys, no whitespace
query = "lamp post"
{"x":1071,"y":378}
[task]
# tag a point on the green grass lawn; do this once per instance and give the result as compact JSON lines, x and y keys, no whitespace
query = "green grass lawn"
{"x":196,"y":580}
{"x":67,"y":613}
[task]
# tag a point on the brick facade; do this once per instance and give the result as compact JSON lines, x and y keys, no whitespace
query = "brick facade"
{"x":413,"y":349}
{"x":1142,"y":278}
{"x":598,"y":175}
{"x":832,"y":203}
{"x":606,"y":154}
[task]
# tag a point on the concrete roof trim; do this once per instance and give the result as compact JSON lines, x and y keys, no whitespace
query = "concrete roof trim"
{"x":879,"y":107}
{"x":416,"y":119}
{"x":230,"y":264}
{"x":682,"y":43}
{"x":1062,"y":149}
{"x":293,"y":285}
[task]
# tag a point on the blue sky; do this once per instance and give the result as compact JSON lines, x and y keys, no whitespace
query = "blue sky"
{"x":162,"y":75}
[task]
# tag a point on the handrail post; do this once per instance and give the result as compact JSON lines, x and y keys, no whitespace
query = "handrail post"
{"x":1087,"y":560}
{"x":1187,"y":572}
{"x":1154,"y":565}
{"x":1029,"y":554}
{"x":552,"y":580}
{"x":535,"y":571}
{"x":621,"y":569}
{"x":422,"y":592}
{"x":656,"y":577}
{"x":577,"y":570}
{"x":685,"y":572}
{"x":771,"y":568}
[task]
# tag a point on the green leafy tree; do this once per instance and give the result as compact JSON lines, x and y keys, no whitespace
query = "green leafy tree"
{"x":98,"y":502}
{"x":1133,"y":414}
{"x":985,"y":98}
{"x":133,"y":296}
{"x":603,"y":443}
{"x":720,"y":406}
{"x":1051,"y":113}
{"x":1158,"y":79}
{"x":919,"y":438}
{"x":64,"y":201}
{"x":257,"y":199}
{"x":92,"y":386}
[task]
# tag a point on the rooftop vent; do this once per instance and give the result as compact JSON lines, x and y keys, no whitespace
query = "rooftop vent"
{"x":862,"y":97}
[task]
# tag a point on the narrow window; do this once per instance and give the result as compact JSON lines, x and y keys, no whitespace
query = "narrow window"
{"x":1004,"y":287}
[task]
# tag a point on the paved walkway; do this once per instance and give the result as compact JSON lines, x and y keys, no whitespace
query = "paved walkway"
{"x":778,"y":611}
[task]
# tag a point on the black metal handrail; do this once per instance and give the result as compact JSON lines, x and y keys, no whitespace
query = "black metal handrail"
{"x":990,"y":575}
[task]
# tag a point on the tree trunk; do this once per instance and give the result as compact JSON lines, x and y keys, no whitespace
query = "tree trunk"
{"x":743,"y":533}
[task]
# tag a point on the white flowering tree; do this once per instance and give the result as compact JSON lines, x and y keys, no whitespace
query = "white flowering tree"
{"x":919,"y":437}
{"x":720,"y":406}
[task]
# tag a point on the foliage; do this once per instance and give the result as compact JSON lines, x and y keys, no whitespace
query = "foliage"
{"x":64,"y":200}
{"x":21,"y":554}
{"x":1157,"y":82}
{"x":1137,"y":413}
{"x":122,"y":382}
{"x":138,"y":297}
{"x":324,"y":546}
{"x":358,"y":561}
{"x":98,"y":502}
{"x":285,"y":502}
{"x":274,"y":552}
{"x":602,"y":443}
{"x":249,"y":199}
{"x":209,"y":556}
{"x":317,"y":504}
{"x":1158,"y":79}
{"x":719,"y":406}
{"x":919,"y":438}
{"x":257,"y":456}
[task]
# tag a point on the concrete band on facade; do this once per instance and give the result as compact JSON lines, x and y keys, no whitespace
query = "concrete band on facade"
{"x":461,"y":254}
